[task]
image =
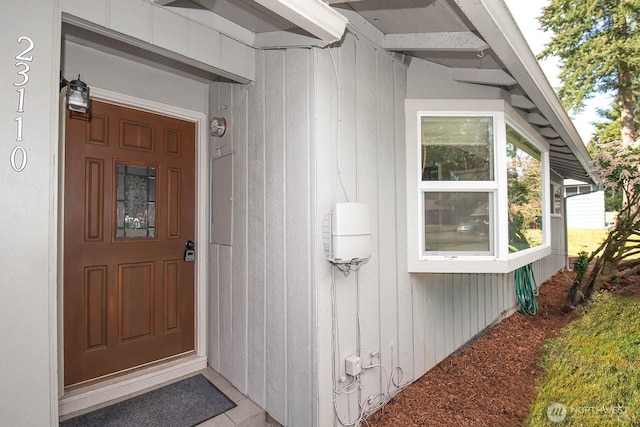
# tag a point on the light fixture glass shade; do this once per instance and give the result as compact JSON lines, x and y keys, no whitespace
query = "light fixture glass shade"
{"x":218,"y":126}
{"x":78,"y":96}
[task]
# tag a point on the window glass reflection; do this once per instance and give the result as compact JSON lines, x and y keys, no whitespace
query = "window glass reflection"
{"x":524,"y":179}
{"x":457,"y":148}
{"x":457,"y":222}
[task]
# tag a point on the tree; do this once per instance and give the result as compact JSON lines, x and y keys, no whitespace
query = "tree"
{"x":598,"y":44}
{"x":608,"y":130}
{"x":524,"y":177}
{"x":618,"y":255}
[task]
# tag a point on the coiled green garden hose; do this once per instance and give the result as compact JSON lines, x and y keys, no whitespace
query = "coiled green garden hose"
{"x":527,"y":290}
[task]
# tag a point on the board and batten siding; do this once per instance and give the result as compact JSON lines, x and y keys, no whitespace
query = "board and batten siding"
{"x":261,"y":299}
{"x":319,"y":127}
{"x":450,"y":309}
{"x":360,"y":158}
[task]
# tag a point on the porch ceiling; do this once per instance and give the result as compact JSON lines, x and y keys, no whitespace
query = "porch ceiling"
{"x":479,"y":41}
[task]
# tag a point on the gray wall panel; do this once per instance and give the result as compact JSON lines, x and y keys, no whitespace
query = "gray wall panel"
{"x":265,"y":300}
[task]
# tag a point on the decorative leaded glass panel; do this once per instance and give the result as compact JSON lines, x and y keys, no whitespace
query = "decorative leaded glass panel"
{"x":135,"y":201}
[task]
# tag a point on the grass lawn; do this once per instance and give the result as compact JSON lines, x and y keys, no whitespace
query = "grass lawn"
{"x":592,"y":371}
{"x":585,"y":239}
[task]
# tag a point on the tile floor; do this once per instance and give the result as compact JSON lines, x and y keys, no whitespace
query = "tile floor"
{"x":246,"y":414}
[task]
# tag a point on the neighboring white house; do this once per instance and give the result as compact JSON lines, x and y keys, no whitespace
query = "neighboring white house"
{"x":422,"y":114}
{"x":585,"y":205}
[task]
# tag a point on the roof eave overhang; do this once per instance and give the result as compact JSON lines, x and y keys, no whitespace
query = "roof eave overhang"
{"x":510,"y":46}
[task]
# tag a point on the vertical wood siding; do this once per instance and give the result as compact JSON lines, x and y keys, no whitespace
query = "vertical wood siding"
{"x":360,"y":158}
{"x":257,"y":230}
{"x":260,"y":292}
{"x":450,"y":309}
{"x":319,"y":127}
{"x":275,"y":319}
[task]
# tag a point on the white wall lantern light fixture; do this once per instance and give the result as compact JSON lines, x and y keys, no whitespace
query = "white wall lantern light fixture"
{"x":77,"y":98}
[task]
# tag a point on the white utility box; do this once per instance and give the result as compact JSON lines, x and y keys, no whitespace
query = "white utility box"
{"x":352,"y":366}
{"x":350,"y":233}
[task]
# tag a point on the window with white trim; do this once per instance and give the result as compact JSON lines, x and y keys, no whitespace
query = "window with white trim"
{"x":477,"y":187}
{"x":458,"y":183}
{"x":524,"y":192}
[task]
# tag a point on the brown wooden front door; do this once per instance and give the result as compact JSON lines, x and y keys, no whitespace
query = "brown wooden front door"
{"x":129,"y":208}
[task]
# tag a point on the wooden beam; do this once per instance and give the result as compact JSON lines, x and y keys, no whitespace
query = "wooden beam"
{"x":495,"y":77}
{"x":537,"y":119}
{"x":549,"y":132}
{"x":314,"y":16}
{"x":561,"y":150}
{"x":556,"y":142}
{"x":285,"y":39}
{"x":443,"y":41}
{"x":522,"y":102}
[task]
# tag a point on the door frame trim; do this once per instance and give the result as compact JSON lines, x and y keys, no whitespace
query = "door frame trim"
{"x":145,"y":378}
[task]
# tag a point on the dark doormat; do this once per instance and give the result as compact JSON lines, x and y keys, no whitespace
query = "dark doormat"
{"x":185,"y":403}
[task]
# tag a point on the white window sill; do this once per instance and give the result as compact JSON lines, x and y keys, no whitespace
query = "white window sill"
{"x":477,"y":264}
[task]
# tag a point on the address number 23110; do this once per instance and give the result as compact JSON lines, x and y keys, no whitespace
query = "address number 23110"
{"x":18,"y":158}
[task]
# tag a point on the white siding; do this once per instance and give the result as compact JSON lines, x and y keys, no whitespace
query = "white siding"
{"x":261,"y":286}
{"x":319,"y":127}
{"x":450,"y":309}
{"x":307,"y":120}
{"x":28,"y":253}
{"x":413,"y":321}
{"x":257,"y":229}
{"x":556,"y":261}
{"x":276,"y":363}
{"x":270,"y":326}
{"x":360,"y":146}
{"x":586,"y":210}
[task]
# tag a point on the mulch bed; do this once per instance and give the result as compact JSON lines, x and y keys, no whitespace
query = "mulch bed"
{"x":490,"y":382}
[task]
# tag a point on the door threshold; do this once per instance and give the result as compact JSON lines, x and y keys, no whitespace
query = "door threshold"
{"x":107,"y":392}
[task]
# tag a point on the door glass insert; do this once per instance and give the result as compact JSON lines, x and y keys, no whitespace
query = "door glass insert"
{"x":135,"y":201}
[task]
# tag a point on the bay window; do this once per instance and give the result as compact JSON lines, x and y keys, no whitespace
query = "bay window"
{"x":477,"y":187}
{"x":524,"y":195}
